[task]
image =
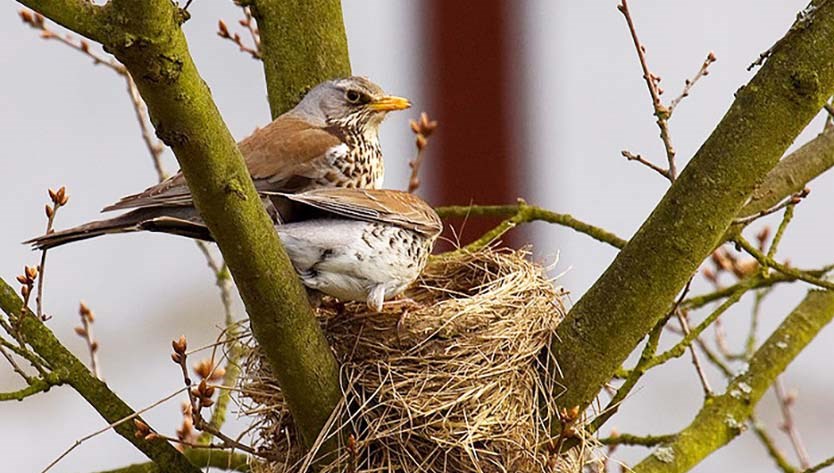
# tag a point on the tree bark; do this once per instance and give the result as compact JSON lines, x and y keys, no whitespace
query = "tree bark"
{"x":639,"y":287}
{"x":303,"y":43}
{"x":146,"y":37}
{"x":723,"y":418}
{"x":73,"y":372}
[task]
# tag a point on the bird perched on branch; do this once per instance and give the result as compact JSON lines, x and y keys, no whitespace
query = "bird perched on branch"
{"x":353,"y":244}
{"x":330,"y":139}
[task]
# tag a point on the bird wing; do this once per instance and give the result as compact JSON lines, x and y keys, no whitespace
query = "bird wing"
{"x":374,"y":205}
{"x":284,"y":156}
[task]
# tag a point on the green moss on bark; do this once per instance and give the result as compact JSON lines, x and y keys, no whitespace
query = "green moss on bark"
{"x":640,"y":285}
{"x":722,"y":418}
{"x":146,"y":37}
{"x":70,"y":370}
{"x":303,"y":43}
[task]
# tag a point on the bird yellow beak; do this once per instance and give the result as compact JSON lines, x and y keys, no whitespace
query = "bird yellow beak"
{"x":389,"y":103}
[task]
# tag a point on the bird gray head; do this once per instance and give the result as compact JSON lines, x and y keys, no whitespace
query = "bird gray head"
{"x":352,"y":102}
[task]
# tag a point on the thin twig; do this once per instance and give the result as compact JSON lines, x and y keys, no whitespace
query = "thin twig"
{"x":38,"y":22}
{"x":639,"y":440}
{"x":789,"y":424}
{"x":223,"y":32}
{"x":85,"y":331}
{"x":36,"y":386}
{"x":819,"y":466}
{"x":15,"y":366}
{"x":782,"y":268}
{"x":200,"y":396}
{"x":792,"y":200}
{"x":687,"y":88}
{"x":33,"y":358}
{"x":422,"y":129}
{"x":660,"y":111}
{"x":640,"y":159}
{"x":755,"y":281}
{"x":680,"y":348}
{"x":110,"y":426}
{"x":518,"y":214}
{"x":780,"y":232}
{"x":770,"y":445}
{"x":248,"y":22}
{"x":695,"y":360}
{"x":59,"y":199}
{"x":154,"y":145}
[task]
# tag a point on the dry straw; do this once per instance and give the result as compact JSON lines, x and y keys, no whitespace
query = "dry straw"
{"x":461,"y":386}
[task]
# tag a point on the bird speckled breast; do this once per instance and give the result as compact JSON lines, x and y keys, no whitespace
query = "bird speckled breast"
{"x":362,"y":165}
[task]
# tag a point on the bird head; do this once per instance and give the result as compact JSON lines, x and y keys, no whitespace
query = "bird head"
{"x":354,"y":103}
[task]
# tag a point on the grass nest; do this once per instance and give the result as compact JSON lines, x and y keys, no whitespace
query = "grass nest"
{"x":461,"y":386}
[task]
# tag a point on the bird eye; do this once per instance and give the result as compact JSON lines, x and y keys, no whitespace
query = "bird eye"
{"x":353,"y":96}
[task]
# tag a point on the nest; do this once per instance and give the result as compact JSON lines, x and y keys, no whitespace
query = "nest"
{"x":461,"y":386}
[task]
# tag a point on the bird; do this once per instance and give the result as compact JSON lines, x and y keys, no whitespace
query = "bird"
{"x":330,"y":139}
{"x":364,"y":245}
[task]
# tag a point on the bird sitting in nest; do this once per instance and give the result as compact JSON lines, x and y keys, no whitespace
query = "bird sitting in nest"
{"x":330,"y":139}
{"x":353,"y":244}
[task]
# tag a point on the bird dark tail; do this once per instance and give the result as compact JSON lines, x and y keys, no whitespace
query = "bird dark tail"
{"x":177,"y":221}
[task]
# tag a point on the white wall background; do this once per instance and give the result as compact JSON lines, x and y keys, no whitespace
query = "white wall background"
{"x":64,"y":122}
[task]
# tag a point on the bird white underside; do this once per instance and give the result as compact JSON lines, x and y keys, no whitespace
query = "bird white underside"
{"x":332,"y":256}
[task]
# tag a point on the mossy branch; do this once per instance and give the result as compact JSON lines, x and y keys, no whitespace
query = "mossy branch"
{"x":224,"y":461}
{"x":755,"y":281}
{"x":523,"y":213}
{"x":793,"y":173}
{"x":146,"y":38}
{"x":820,"y":466}
{"x":35,"y":386}
{"x":640,"y":285}
{"x":639,"y":440}
{"x":722,"y":418}
{"x":303,"y":42}
{"x":80,"y":16}
{"x":72,"y":371}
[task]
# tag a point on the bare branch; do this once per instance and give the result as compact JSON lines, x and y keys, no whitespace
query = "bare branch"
{"x":687,"y":88}
{"x":113,"y":425}
{"x":653,"y":83}
{"x":786,"y":401}
{"x":85,"y":331}
{"x":422,"y":129}
{"x":223,"y":32}
{"x":792,"y":200}
{"x":654,"y":167}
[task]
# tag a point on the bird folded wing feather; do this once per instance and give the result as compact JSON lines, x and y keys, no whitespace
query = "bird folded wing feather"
{"x":284,"y":156}
{"x":374,"y":205}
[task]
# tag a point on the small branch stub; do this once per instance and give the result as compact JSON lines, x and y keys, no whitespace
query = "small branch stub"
{"x":422,"y":129}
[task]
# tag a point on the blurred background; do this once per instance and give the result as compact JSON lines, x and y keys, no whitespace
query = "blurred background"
{"x":535,"y":99}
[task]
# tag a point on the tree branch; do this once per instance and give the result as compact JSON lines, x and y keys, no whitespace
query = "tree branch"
{"x":83,"y":17}
{"x":791,"y":175}
{"x":303,"y":42}
{"x":640,"y":285}
{"x":36,"y":386}
{"x":227,"y":461}
{"x":722,"y":418}
{"x":73,"y":372}
{"x":146,"y":38}
{"x":522,"y":213}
